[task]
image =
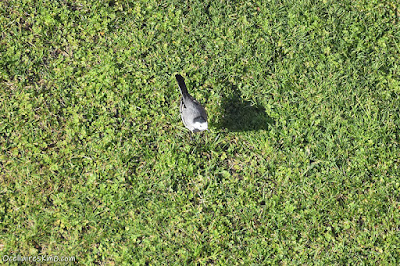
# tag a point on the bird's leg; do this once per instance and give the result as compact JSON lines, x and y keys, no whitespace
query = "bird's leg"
{"x":191,"y":135}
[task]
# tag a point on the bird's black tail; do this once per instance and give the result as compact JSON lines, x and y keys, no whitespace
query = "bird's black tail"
{"x":182,"y":85}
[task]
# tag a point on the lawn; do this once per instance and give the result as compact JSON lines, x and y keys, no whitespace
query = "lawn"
{"x":300,"y":165}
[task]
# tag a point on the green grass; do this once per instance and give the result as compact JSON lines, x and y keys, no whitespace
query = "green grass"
{"x":300,"y":165}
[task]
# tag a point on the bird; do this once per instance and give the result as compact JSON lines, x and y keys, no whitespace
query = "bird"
{"x":193,"y":114}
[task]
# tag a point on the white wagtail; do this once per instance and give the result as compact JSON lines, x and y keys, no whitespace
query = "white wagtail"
{"x":194,"y":116}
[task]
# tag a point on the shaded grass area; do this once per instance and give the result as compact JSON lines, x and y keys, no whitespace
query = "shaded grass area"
{"x":95,"y":162}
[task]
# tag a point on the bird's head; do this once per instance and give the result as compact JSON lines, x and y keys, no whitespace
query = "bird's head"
{"x":200,"y":124}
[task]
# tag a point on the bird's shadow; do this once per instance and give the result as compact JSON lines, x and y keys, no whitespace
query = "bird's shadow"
{"x":241,"y":115}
